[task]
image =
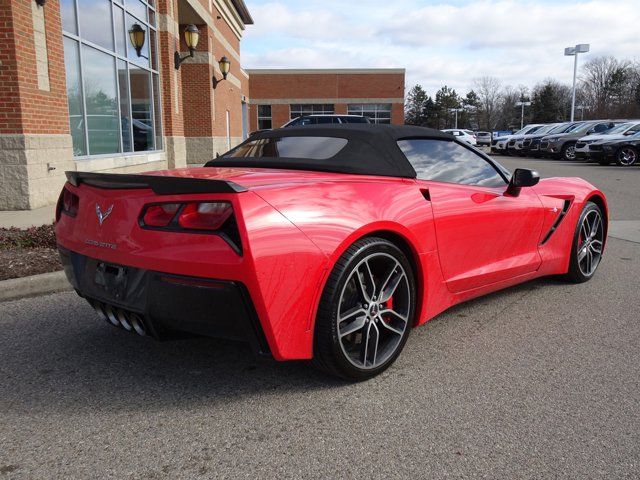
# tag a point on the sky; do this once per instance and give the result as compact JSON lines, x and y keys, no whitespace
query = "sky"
{"x":441,"y":42}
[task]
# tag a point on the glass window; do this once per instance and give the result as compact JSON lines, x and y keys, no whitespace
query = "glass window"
{"x":379,"y":113}
{"x":138,"y":8}
{"x":114,"y":94}
{"x":315,"y":148}
{"x":444,"y":161}
{"x":101,"y":99}
{"x":68,"y":14}
{"x":125,"y":114}
{"x":74,"y":96}
{"x":298,"y":110}
{"x":140,"y":86}
{"x":95,"y":22}
{"x":264,"y":117}
{"x":121,"y":34}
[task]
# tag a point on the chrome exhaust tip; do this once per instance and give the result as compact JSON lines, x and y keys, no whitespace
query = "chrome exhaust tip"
{"x":138,"y":324}
{"x":123,"y":320}
{"x":111,"y":315}
{"x":98,"y":308}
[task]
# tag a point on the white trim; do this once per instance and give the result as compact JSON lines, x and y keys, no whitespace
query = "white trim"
{"x":289,"y":101}
{"x":337,"y":71}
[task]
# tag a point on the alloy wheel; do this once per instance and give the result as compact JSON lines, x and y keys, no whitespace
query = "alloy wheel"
{"x":570,"y":152}
{"x":627,"y":156}
{"x":590,"y":243}
{"x":373,"y":311}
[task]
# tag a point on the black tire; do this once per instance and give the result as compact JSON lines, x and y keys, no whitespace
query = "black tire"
{"x":568,"y":152}
{"x":575,"y":273}
{"x":627,"y":156}
{"x":329,"y":354}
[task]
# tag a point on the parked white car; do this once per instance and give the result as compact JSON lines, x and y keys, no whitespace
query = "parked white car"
{"x":501,"y":144}
{"x":616,"y":133}
{"x":464,"y":135}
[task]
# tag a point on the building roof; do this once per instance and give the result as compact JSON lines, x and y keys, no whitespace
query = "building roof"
{"x":243,"y":11}
{"x":370,"y":150}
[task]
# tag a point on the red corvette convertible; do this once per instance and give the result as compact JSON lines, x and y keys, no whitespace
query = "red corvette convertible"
{"x":327,"y":242}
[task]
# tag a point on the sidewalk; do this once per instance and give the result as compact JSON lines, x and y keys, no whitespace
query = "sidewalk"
{"x":27,"y":218}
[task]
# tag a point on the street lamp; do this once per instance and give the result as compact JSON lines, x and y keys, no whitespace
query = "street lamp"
{"x":136,"y":36}
{"x":456,"y":110}
{"x":225,"y":65}
{"x":573,"y":52}
{"x":522,"y":104}
{"x":191,"y":37}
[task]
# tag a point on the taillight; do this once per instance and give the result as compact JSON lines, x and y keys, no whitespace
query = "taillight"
{"x":160,"y":215}
{"x":205,"y":216}
{"x":68,"y":204}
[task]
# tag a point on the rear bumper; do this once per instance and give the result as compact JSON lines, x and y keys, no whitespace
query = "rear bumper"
{"x":167,"y":303}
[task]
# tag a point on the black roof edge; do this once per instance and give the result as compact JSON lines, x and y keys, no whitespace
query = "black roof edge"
{"x":161,"y":185}
{"x":243,"y":11}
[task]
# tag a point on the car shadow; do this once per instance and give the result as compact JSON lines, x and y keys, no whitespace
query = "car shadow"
{"x":57,"y":357}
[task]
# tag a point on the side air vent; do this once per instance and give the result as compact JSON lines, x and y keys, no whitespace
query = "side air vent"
{"x":556,"y":224}
{"x":426,"y":195}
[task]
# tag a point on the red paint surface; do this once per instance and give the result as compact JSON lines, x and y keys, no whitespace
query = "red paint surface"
{"x":464,"y":242}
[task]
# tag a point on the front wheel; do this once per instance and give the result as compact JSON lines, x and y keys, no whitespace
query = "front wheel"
{"x":568,"y":152}
{"x":627,"y":156}
{"x":587,"y":245}
{"x":366,"y":310}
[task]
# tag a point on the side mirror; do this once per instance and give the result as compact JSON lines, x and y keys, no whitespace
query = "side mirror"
{"x":522,"y":177}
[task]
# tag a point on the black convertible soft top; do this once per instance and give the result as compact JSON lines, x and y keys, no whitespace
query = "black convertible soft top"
{"x":370,"y":149}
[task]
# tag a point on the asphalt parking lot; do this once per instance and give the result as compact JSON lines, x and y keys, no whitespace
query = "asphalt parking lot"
{"x":538,"y":381}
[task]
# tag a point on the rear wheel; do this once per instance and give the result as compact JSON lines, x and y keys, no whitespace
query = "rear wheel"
{"x":366,"y":311}
{"x":627,"y":156}
{"x":568,"y":152}
{"x":588,"y":242}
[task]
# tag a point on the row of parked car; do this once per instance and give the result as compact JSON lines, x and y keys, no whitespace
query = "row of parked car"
{"x":601,"y":141}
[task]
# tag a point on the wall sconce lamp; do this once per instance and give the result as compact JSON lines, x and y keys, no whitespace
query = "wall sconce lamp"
{"x":41,"y":2}
{"x":191,"y":37}
{"x":136,"y":35}
{"x":225,"y":66}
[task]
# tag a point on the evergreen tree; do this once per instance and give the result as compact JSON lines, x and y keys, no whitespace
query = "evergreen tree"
{"x":415,"y":106}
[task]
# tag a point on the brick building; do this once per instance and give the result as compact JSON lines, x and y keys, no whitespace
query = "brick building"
{"x":76,"y":93}
{"x":277,"y":96}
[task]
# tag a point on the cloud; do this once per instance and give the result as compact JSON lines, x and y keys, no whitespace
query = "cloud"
{"x":450,"y":42}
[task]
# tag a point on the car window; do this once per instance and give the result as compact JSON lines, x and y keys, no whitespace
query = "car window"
{"x":323,"y":120}
{"x":354,"y":119}
{"x":316,"y":148}
{"x":444,"y":161}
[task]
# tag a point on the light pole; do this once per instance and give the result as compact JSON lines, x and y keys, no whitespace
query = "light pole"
{"x":573,"y":52}
{"x":522,"y":104}
{"x":456,"y":110}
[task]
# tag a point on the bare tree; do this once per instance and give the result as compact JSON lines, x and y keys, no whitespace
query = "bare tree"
{"x":488,"y":90}
{"x":606,"y":86}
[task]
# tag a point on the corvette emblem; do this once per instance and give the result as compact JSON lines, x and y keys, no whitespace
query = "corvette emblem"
{"x":102,"y":216}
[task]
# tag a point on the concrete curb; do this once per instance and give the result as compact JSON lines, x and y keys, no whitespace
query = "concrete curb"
{"x":34,"y":285}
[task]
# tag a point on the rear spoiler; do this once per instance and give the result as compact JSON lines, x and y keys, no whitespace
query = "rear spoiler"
{"x":161,"y":185}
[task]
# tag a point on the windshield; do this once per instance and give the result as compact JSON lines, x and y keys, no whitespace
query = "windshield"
{"x":574,"y":127}
{"x":546,"y":129}
{"x":563,"y":127}
{"x":623,"y":127}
